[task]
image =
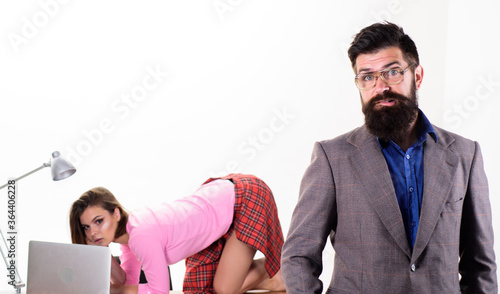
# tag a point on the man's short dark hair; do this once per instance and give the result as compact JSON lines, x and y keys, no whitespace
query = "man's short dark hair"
{"x":381,"y":36}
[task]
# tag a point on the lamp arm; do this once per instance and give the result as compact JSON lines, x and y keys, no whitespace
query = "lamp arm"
{"x":1,"y":250}
{"x":47,"y":164}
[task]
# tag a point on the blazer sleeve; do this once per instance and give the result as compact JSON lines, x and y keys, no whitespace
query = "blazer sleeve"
{"x":477,"y":258}
{"x":313,"y":219}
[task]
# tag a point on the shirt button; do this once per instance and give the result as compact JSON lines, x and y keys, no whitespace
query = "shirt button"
{"x":411,"y":189}
{"x":413,"y":267}
{"x":407,"y":156}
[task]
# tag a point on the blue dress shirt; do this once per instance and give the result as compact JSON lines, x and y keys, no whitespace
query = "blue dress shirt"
{"x":407,"y":173}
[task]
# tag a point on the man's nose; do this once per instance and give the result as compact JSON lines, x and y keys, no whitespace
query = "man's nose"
{"x":381,"y":86}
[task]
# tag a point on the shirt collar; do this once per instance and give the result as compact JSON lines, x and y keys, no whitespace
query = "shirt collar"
{"x":424,"y":128}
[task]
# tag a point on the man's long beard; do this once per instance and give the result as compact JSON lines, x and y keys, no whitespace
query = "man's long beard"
{"x":391,"y":122}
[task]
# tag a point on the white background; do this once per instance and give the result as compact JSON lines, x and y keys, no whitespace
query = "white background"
{"x":243,"y":86}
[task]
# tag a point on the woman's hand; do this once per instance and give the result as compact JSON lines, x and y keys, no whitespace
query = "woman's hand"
{"x":89,"y":242}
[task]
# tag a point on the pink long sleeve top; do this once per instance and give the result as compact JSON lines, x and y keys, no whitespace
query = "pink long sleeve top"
{"x":166,"y":234}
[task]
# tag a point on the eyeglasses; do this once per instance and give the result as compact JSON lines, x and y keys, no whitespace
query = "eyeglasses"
{"x":393,"y":76}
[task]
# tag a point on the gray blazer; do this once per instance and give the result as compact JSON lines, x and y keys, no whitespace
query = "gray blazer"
{"x":347,"y":193}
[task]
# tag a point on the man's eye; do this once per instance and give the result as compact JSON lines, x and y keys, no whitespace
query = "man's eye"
{"x":367,"y":78}
{"x":393,"y":72}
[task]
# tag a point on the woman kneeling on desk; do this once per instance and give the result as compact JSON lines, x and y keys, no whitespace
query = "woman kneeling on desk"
{"x":217,"y":230}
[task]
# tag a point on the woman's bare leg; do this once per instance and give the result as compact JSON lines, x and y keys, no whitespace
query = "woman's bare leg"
{"x":238,"y":272}
{"x":276,"y":283}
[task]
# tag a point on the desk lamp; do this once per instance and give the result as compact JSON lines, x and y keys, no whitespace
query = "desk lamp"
{"x":60,"y":169}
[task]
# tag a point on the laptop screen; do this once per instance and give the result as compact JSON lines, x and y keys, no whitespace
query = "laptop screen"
{"x":68,"y":268}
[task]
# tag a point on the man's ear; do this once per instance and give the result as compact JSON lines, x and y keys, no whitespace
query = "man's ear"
{"x":419,"y":76}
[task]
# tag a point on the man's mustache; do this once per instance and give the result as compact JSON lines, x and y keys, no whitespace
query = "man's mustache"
{"x":388,"y":95}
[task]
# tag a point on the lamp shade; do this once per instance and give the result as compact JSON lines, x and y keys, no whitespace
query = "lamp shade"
{"x":60,"y":168}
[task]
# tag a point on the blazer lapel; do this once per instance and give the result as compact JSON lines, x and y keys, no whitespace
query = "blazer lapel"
{"x":369,"y":163}
{"x":440,"y":166}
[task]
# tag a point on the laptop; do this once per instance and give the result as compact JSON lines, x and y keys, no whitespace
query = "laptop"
{"x":68,"y":268}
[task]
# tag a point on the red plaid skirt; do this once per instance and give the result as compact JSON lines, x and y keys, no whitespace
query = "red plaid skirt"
{"x":255,"y":223}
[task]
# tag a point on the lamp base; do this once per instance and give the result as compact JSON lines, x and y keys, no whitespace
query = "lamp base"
{"x":18,"y":286}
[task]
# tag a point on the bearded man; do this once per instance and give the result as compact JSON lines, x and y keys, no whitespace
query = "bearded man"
{"x":405,"y":203}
